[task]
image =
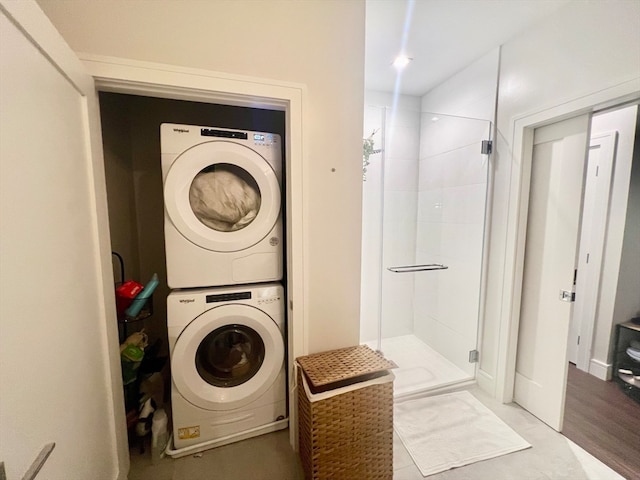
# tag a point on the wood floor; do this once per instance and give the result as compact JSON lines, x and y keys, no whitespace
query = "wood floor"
{"x":604,"y":421}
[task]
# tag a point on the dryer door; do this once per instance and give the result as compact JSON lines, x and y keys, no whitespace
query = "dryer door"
{"x":227,"y":357}
{"x":222,"y":196}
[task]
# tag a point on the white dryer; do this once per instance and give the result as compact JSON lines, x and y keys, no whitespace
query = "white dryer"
{"x":227,"y":364}
{"x":222,"y":206}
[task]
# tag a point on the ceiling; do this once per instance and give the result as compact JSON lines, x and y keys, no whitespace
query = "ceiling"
{"x":442,"y":37}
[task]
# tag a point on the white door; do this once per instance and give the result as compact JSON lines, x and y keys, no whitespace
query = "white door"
{"x":592,"y":235}
{"x":559,"y":154}
{"x":58,"y":378}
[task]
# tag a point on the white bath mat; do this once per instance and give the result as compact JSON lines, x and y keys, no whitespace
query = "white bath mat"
{"x":452,"y":430}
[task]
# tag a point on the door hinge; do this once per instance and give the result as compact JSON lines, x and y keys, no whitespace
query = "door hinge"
{"x":474,"y":355}
{"x":487,"y":147}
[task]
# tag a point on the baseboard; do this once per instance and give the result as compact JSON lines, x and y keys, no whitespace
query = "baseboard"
{"x":600,"y":369}
{"x":486,"y":383}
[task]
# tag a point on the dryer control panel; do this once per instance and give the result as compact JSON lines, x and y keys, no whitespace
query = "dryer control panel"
{"x":214,"y":132}
{"x":266,"y":139}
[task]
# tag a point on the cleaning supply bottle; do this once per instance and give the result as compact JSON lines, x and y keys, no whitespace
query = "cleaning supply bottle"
{"x":142,"y":297}
{"x":159,"y":435}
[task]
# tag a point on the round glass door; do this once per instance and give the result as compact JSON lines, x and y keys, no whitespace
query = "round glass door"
{"x":222,"y":196}
{"x":230,"y":355}
{"x":227,"y":357}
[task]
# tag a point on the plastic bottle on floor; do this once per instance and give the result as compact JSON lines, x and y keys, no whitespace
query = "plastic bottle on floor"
{"x":159,"y":435}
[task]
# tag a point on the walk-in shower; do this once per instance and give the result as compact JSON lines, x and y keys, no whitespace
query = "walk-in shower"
{"x":424,"y":208}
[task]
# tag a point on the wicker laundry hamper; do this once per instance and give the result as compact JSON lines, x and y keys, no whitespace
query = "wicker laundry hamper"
{"x":345,"y":414}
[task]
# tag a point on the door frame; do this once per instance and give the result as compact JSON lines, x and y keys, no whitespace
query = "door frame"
{"x":124,"y":76}
{"x":521,"y":129}
{"x":591,"y":244}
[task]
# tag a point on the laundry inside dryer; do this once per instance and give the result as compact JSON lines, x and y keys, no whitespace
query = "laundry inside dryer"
{"x":224,"y":197}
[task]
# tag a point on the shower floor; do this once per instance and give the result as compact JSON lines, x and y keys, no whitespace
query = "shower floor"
{"x":420,"y":368}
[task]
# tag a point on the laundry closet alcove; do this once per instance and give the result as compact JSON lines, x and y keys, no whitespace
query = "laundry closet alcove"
{"x":165,"y":83}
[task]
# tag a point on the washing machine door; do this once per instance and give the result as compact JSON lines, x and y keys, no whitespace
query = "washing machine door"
{"x":227,"y":357}
{"x":222,"y":196}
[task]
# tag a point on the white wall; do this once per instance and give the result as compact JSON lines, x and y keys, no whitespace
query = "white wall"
{"x":619,"y":298}
{"x":290,"y":41}
{"x":451,"y":211}
{"x":398,"y":191}
{"x":469,"y":93}
{"x":583,"y":48}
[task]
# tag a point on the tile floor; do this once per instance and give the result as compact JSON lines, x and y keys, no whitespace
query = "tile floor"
{"x":270,"y":457}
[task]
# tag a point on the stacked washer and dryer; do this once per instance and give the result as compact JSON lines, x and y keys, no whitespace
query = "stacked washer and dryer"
{"x":225,"y":314}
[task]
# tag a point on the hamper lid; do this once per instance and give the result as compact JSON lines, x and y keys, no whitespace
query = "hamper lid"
{"x":340,"y":366}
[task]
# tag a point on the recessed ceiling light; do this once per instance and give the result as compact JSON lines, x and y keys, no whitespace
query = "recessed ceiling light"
{"x":401,"y":61}
{"x":435,"y":119}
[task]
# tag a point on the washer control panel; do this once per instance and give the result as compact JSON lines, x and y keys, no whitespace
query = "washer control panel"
{"x":268,"y":300}
{"x":228,"y":297}
{"x":235,"y":296}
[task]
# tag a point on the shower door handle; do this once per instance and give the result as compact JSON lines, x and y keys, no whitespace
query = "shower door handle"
{"x":417,"y":268}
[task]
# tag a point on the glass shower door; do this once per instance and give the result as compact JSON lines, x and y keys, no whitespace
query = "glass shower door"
{"x":373,"y":174}
{"x":433,"y":217}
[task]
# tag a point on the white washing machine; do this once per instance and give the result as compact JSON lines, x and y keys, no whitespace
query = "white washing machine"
{"x":227,"y":364}
{"x":222,"y":199}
